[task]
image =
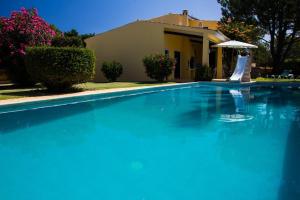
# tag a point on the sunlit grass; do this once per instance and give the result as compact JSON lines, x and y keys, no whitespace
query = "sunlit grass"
{"x":260,"y":79}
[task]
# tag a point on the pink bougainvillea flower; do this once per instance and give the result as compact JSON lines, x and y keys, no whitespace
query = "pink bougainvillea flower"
{"x":22,"y":52}
{"x":22,"y":29}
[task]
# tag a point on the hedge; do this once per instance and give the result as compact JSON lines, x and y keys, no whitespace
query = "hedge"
{"x":67,"y":42}
{"x":60,"y":68}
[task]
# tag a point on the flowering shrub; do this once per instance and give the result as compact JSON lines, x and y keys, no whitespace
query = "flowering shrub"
{"x":159,"y":66}
{"x":112,"y":70}
{"x":22,"y":29}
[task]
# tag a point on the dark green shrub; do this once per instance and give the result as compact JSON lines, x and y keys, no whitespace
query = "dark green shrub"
{"x":60,"y":68}
{"x":112,"y":70}
{"x":293,"y":65}
{"x":19,"y":74}
{"x":159,"y":66}
{"x":203,"y":73}
{"x":62,"y":41}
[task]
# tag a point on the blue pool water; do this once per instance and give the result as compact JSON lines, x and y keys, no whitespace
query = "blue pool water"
{"x":190,"y":143}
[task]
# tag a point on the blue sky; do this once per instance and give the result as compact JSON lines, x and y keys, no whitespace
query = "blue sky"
{"x":95,"y":16}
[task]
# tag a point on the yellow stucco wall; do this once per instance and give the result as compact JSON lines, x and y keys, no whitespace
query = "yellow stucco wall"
{"x":187,"y":49}
{"x":128,"y":45}
{"x":184,"y":20}
{"x":172,"y":19}
{"x":212,"y":25}
{"x":219,"y":63}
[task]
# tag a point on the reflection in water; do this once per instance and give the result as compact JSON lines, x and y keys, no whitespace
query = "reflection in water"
{"x":29,"y":118}
{"x":172,"y":142}
{"x":25,"y":119}
{"x":239,"y":146}
{"x":290,"y":183}
{"x":241,"y":99}
{"x":205,"y":104}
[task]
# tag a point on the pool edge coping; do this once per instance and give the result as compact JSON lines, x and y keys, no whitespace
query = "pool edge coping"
{"x":45,"y":98}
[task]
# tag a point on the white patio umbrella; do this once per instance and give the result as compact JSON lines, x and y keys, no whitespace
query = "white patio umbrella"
{"x":236,"y":45}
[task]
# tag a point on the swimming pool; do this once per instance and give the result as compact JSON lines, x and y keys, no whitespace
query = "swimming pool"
{"x":191,"y":142}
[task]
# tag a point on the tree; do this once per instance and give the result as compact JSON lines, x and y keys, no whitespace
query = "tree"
{"x":71,"y":33}
{"x":22,"y":29}
{"x":280,"y":20}
{"x":262,"y":56}
{"x":58,"y":32}
{"x":241,"y":31}
{"x":85,"y":36}
{"x":74,"y":33}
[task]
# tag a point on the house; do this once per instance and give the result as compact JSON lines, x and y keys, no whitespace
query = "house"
{"x":181,"y":36}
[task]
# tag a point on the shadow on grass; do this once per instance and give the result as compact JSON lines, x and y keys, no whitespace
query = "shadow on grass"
{"x":16,"y":91}
{"x":16,"y":87}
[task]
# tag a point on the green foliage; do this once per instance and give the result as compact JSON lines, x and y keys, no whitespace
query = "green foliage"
{"x":85,"y":36}
{"x":295,"y":52}
{"x":112,"y":70}
{"x":74,"y":34}
{"x":72,"y":41}
{"x":204,"y":73}
{"x":262,"y":56}
{"x":60,"y":68}
{"x":293,"y":65}
{"x":71,"y":33}
{"x":241,"y":31}
{"x":159,"y":66}
{"x":279,"y":19}
{"x":56,"y":30}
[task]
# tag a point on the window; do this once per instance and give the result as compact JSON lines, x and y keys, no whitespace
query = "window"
{"x":166,"y":52}
{"x":192,"y":62}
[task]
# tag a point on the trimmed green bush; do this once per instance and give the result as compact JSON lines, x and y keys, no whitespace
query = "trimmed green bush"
{"x":159,"y":66}
{"x":203,"y":73}
{"x":73,"y":41}
{"x":60,"y":68}
{"x":112,"y":70}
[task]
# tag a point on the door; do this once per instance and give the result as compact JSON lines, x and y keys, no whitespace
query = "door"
{"x":177,"y":65}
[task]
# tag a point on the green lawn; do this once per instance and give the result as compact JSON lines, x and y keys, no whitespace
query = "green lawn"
{"x":12,"y":92}
{"x":276,"y":80}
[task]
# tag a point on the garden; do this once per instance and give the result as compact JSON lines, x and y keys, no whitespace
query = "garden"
{"x":40,"y":60}
{"x":33,"y":51}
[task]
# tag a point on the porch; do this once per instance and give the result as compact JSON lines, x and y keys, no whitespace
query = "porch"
{"x":193,"y":49}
